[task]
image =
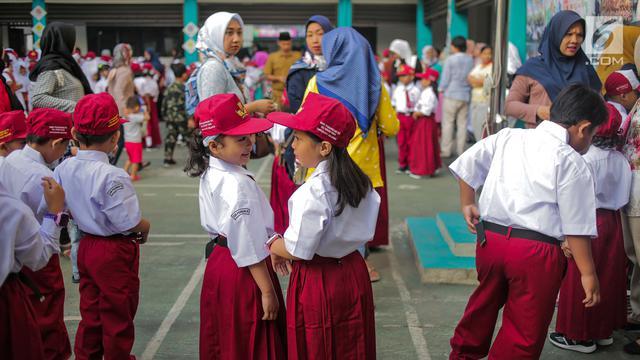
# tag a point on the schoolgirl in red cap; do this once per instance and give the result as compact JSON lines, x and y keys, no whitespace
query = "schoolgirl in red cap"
{"x":25,"y":244}
{"x":584,"y":329}
{"x":404,"y":100}
{"x":103,"y":203}
{"x":13,"y":131}
{"x":424,"y":154}
{"x":241,"y":305}
{"x":48,"y":135}
{"x":330,"y":312}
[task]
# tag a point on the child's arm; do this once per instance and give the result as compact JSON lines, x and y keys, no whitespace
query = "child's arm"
{"x":468,"y":205}
{"x":270,"y":304}
{"x":278,"y":248}
{"x":143,"y":227}
{"x":581,"y":251}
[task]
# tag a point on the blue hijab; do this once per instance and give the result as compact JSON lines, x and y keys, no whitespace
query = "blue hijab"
{"x":307,"y":60}
{"x":553,"y":70}
{"x":352,"y":74}
{"x":155,"y":61}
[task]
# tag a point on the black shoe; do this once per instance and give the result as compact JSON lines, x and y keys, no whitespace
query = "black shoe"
{"x":559,"y":340}
{"x":632,"y":348}
{"x":168,"y":162}
{"x":403,"y":170}
{"x":144,"y":165}
{"x":632,"y":327}
{"x":75,"y":280}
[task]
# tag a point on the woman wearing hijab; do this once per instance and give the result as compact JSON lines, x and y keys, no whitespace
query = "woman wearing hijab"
{"x":353,"y":78}
{"x":430,"y":59}
{"x":282,"y":185}
{"x":151,"y":56}
{"x":58,"y":80}
{"x":561,"y":62}
{"x":219,"y":40}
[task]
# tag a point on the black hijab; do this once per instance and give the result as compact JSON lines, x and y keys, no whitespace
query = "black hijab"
{"x":57,"y":42}
{"x":554,"y":70}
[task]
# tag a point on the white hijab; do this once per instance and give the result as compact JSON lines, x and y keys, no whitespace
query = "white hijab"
{"x":402,"y":48}
{"x":211,"y":34}
{"x":211,"y":41}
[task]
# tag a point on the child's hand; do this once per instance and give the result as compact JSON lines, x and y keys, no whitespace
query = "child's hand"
{"x":270,"y":306}
{"x":53,"y":195}
{"x":417,"y":115}
{"x":591,"y":288}
{"x":566,"y":249}
{"x":191,"y":123}
{"x":281,"y":265}
{"x":471,"y":216}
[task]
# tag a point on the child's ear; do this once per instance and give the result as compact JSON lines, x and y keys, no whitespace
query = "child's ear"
{"x":584,"y":128}
{"x":74,"y":133}
{"x":325,"y":148}
{"x":55,"y":142}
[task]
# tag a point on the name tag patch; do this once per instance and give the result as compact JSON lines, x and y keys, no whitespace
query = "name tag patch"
{"x":244,"y":211}
{"x":117,"y":186}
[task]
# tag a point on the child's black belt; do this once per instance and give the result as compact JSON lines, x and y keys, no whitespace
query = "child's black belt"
{"x":218,"y":240}
{"x":520,"y":233}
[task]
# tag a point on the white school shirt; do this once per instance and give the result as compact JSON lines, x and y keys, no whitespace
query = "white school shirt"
{"x":100,"y":196}
{"x":428,"y":102}
{"x":399,"y":98}
{"x":532,"y":180}
{"x":24,"y":241}
{"x":32,"y":168}
{"x":313,"y":226}
{"x":612,"y":176}
{"x":233,"y":205}
{"x":133,"y":128}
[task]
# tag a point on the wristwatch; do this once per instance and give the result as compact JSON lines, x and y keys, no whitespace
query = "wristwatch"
{"x":271,"y":240}
{"x":61,"y":219}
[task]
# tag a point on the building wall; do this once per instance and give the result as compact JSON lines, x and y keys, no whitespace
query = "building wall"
{"x":387,"y":32}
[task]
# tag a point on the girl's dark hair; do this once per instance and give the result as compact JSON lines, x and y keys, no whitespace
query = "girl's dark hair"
{"x":35,"y":139}
{"x":578,"y":102}
{"x":346,"y":176}
{"x":198,"y":160}
{"x":89,"y":140}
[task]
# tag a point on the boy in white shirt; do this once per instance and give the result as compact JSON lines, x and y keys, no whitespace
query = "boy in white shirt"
{"x":537,"y":191}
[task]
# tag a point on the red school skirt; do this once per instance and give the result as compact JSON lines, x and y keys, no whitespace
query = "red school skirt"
{"x":330,"y":311}
{"x":231,"y":325}
{"x":424,"y":154}
{"x":574,"y":320}
{"x":19,"y":332}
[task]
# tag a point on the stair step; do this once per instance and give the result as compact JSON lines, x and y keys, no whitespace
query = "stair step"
{"x":434,"y":259}
{"x":454,"y":231}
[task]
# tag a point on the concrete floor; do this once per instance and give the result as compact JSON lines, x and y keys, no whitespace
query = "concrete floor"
{"x":413,"y":320}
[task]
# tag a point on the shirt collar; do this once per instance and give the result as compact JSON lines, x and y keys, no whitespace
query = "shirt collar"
{"x":33,"y":154}
{"x":555,"y":130}
{"x":323,"y":167}
{"x":92,"y":155}
{"x":620,"y":108}
{"x":222,"y":165}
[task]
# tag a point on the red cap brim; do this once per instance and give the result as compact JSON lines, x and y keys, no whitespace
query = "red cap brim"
{"x":288,"y":120}
{"x":252,"y":126}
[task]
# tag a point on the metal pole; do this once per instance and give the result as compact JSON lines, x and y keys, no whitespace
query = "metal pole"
{"x":496,"y":119}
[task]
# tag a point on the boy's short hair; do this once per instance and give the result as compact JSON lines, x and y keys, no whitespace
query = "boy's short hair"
{"x":578,"y":102}
{"x":89,"y":140}
{"x":178,"y":69}
{"x":132,"y":102}
{"x":35,"y":139}
{"x":460,"y":43}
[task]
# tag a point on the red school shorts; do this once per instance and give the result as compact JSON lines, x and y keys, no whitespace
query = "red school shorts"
{"x":134,"y":151}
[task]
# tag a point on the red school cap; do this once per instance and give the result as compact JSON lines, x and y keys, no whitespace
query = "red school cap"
{"x":13,"y":126}
{"x":322,"y":116}
{"x":430,"y":74}
{"x":224,"y":114}
{"x":621,"y":82}
{"x":405,"y":70}
{"x":611,"y":127}
{"x":97,"y":114}
{"x":50,"y":124}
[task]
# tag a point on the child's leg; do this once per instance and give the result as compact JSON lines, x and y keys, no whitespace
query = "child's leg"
{"x":134,"y":170}
{"x":404,"y":136}
{"x":472,"y":336}
{"x":88,"y":343}
{"x":170,"y":140}
{"x":127,"y":165}
{"x":535,"y":271}
{"x":115,"y":267}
